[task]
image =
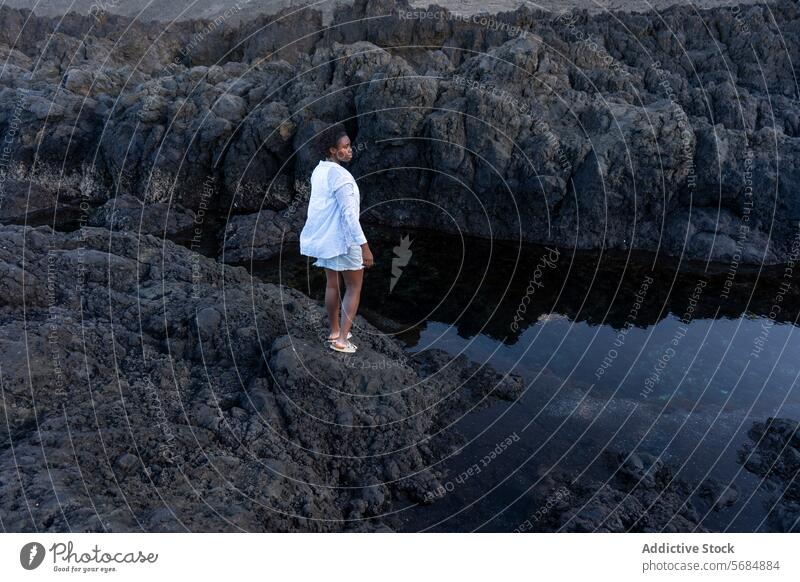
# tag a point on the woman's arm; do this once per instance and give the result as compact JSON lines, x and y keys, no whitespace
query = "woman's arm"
{"x":366,"y":255}
{"x":346,"y":199}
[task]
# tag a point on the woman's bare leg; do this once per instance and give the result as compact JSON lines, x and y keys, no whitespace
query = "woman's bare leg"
{"x":333,"y":298}
{"x":352,"y":296}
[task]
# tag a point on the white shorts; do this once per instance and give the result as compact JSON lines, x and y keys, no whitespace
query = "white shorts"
{"x":352,"y":260}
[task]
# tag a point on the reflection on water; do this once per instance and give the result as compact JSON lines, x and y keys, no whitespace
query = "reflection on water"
{"x":618,"y":352}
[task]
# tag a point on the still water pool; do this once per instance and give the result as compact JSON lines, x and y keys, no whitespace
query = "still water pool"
{"x":619,"y":351}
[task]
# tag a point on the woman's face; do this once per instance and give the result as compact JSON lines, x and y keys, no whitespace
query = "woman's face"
{"x":342,"y":152}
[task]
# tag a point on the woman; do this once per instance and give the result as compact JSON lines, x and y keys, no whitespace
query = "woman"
{"x":332,"y":233}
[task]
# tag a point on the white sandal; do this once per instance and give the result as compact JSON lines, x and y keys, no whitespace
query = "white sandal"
{"x":333,"y":339}
{"x":349,"y":348}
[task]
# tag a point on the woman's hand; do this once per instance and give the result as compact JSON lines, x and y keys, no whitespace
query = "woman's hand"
{"x":366,"y":256}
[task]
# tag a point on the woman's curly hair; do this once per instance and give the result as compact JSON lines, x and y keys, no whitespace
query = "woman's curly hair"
{"x":329,"y":138}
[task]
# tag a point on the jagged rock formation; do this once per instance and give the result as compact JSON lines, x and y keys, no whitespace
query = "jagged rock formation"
{"x":641,"y":495}
{"x":774,"y":455}
{"x":169,"y":10}
{"x":148,"y":387}
{"x":677,"y":133}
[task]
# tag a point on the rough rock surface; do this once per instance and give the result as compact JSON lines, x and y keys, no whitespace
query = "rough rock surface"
{"x":260,"y":236}
{"x":774,"y":455}
{"x":678,"y":133}
{"x":146,"y":387}
{"x":641,"y":495}
{"x":236,"y":10}
{"x":718,"y":494}
{"x":129,"y":213}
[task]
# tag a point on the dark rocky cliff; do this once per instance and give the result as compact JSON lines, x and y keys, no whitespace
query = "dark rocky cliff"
{"x":675,"y":132}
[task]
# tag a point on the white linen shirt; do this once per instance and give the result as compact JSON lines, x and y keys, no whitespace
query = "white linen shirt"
{"x":332,"y":224}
